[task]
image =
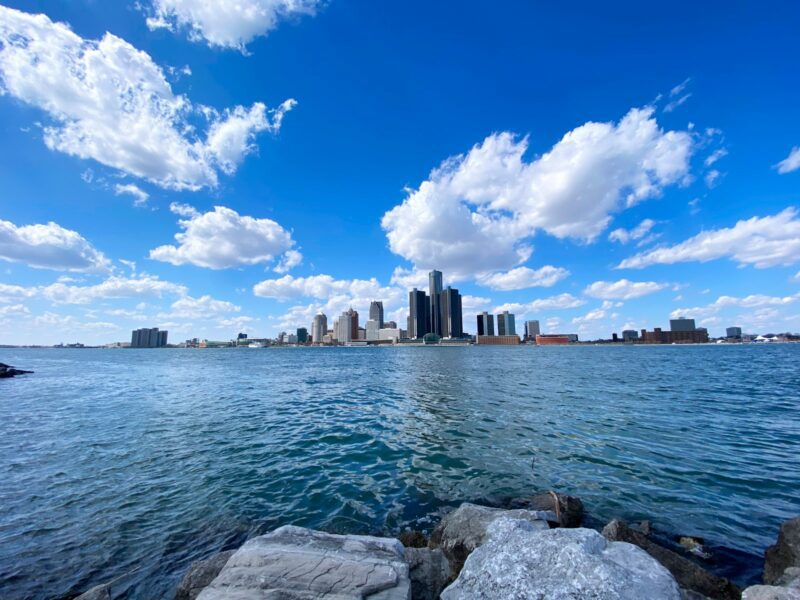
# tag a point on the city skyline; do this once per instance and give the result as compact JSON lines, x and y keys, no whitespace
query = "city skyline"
{"x":239,"y":203}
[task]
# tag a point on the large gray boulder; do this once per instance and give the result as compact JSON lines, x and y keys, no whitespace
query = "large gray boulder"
{"x":294,"y":563}
{"x":200,"y":574}
{"x":785,"y":553}
{"x":787,"y":587}
{"x":429,"y":572}
{"x":688,"y":574}
{"x":520,"y":561}
{"x":464,"y":529}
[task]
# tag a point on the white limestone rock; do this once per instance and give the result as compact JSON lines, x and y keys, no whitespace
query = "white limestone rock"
{"x":294,"y":563}
{"x":519,"y":561}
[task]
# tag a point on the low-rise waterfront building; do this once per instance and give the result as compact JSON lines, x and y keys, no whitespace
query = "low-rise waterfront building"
{"x":630,"y":335}
{"x":389,"y":334}
{"x":733,"y":332}
{"x":657,"y":336}
{"x":555,"y":339}
{"x":497,"y":340}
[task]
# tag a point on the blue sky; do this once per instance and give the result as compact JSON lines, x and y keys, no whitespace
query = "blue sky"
{"x":596,"y":167}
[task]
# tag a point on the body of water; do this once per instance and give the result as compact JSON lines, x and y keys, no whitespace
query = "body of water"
{"x":115,"y":460}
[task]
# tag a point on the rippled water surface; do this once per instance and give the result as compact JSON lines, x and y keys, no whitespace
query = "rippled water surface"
{"x":112,"y":460}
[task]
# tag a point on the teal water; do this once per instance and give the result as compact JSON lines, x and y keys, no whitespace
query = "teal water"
{"x":112,"y":460}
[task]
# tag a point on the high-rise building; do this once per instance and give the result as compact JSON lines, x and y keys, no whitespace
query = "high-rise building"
{"x":148,"y":338}
{"x":344,"y":328}
{"x":435,"y":291}
{"x":450,"y":313}
{"x":372,"y":329}
{"x":353,"y":323}
{"x":505,"y":324}
{"x":376,"y":312}
{"x":419,"y":313}
{"x":302,"y":335}
{"x":733,"y":332}
{"x":532,"y":329}
{"x":319,"y":328}
{"x":485,"y":324}
{"x":682,"y":324}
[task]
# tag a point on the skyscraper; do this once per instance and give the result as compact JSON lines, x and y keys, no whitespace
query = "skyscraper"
{"x":344,"y":328}
{"x":435,"y":291}
{"x":419,"y":313}
{"x":353,"y":323}
{"x":450,"y":313}
{"x":485,"y":324}
{"x":319,"y":328}
{"x":148,"y":338}
{"x":532,"y":329}
{"x":505,"y":324}
{"x":302,"y":335}
{"x":376,"y":312}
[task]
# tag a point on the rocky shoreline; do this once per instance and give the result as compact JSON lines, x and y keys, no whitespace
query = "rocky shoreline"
{"x":535,"y":547}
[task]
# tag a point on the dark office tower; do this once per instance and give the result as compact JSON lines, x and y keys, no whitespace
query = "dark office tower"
{"x":162,"y":339}
{"x":376,"y":312}
{"x":505,"y":324}
{"x":353,"y":314}
{"x":302,"y":335}
{"x":419,"y":305}
{"x":450,"y":308}
{"x":435,"y":290}
{"x":485,"y":324}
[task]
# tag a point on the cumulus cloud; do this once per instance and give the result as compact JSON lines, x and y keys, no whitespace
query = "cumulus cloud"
{"x":11,"y":293}
{"x":226,"y":24}
{"x":523,"y":277}
{"x":222,"y":238}
{"x":290,"y":260}
{"x":332,"y":296}
{"x":623,"y":289}
{"x":559,"y":302}
{"x":623,"y":236}
{"x":477,"y":211}
{"x":758,"y":241}
{"x":110,"y":102}
{"x":112,"y":288}
{"x":757,"y":301}
{"x":49,"y":246}
{"x":790,"y":163}
{"x":140,"y":197}
{"x":202,"y":307}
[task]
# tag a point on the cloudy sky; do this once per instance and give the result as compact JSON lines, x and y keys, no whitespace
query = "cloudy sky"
{"x":212,"y":167}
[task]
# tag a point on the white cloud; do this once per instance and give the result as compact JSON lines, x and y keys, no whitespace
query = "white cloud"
{"x":715,"y":156}
{"x":592,"y":315}
{"x":673,"y":104}
{"x":523,"y":277}
{"x":477,"y":211}
{"x":140,"y":197}
{"x":623,"y":289}
{"x":111,"y":288}
{"x":559,"y":302}
{"x":49,"y":246}
{"x":222,"y":239}
{"x":758,"y":241}
{"x":13,"y":310}
{"x":677,"y":95}
{"x":790,"y":163}
{"x":183,"y":210}
{"x":712,"y":177}
{"x":10,"y":293}
{"x":111,"y":103}
{"x":796,"y":277}
{"x":290,"y":260}
{"x":196,"y":308}
{"x":758,"y":301}
{"x":226,"y":24}
{"x":332,"y":296}
{"x":623,"y":236}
